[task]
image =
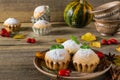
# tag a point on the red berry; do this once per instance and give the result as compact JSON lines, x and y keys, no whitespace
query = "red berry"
{"x":100,"y":54}
{"x":64,"y":72}
{"x":114,"y":41}
{"x":104,"y":41}
{"x":4,"y":30}
{"x":109,"y":42}
{"x":3,"y":34}
{"x":28,"y":40}
{"x":33,"y":40}
{"x":7,"y":34}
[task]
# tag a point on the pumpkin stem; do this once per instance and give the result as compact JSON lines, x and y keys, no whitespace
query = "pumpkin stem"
{"x":82,"y":1}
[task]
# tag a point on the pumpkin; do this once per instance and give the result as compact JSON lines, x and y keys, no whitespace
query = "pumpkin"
{"x":78,"y":13}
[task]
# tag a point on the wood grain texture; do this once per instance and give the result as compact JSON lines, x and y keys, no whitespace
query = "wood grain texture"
{"x":16,"y":56}
{"x":23,"y":9}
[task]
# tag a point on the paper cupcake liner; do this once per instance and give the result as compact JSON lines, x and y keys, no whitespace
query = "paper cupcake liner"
{"x":85,"y":68}
{"x":57,"y":65}
{"x":41,"y":31}
{"x":13,"y":28}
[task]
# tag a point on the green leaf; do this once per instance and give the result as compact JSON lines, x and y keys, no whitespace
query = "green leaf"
{"x":85,"y":46}
{"x":74,"y":38}
{"x":57,"y":46}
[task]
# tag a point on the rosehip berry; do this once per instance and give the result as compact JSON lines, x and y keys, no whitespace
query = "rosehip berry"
{"x":64,"y":72}
{"x":100,"y":54}
{"x":4,"y":30}
{"x":104,"y":41}
{"x":7,"y":34}
{"x":2,"y":34}
{"x":109,"y":42}
{"x":28,"y":40}
{"x":33,"y":40}
{"x":114,"y":41}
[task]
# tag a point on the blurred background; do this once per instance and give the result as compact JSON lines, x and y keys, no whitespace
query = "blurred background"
{"x":23,"y":9}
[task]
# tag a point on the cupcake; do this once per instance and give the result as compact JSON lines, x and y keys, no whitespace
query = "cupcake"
{"x":12,"y":25}
{"x":41,"y":27}
{"x":72,"y":45}
{"x":85,"y":60}
{"x":57,"y":58}
{"x":41,"y":13}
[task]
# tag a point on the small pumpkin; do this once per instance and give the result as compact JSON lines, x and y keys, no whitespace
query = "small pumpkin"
{"x":77,"y":13}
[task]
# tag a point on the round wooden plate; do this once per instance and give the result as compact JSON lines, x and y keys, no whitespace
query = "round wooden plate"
{"x":40,"y":65}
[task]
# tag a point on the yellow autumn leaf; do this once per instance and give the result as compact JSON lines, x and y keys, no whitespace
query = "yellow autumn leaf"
{"x":118,"y":48}
{"x":60,"y":40}
{"x":117,"y":60}
{"x":95,"y":44}
{"x":19,"y":36}
{"x":88,"y":37}
{"x":40,"y":55}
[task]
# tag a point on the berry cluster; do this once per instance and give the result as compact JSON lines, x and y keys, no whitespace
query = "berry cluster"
{"x":31,"y":40}
{"x":108,"y":42}
{"x":4,"y":33}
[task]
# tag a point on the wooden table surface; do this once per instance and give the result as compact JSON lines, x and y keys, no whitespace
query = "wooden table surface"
{"x":16,"y":56}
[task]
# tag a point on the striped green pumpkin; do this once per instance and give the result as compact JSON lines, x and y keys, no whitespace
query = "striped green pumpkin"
{"x":77,"y":13}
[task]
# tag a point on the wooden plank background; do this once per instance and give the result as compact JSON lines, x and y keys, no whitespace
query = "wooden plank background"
{"x":23,"y":9}
{"x":16,"y":56}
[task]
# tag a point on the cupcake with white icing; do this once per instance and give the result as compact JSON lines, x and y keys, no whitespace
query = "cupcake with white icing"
{"x":85,"y":59}
{"x":57,"y":58}
{"x":41,"y":13}
{"x":72,"y":45}
{"x":12,"y":25}
{"x":41,"y":27}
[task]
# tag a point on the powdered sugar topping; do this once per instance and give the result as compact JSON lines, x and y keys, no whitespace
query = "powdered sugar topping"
{"x":40,"y":9}
{"x":11,"y":21}
{"x":71,"y":46}
{"x":85,"y":52}
{"x":57,"y":54}
{"x":41,"y":23}
{"x":86,"y":56}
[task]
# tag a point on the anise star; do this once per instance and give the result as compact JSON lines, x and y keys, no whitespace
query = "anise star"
{"x":110,"y":57}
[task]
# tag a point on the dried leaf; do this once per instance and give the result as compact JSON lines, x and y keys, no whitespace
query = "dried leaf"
{"x":60,"y":40}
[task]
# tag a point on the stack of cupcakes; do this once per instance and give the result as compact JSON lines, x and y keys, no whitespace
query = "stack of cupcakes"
{"x":41,"y":18}
{"x":107,"y":18}
{"x":41,"y":13}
